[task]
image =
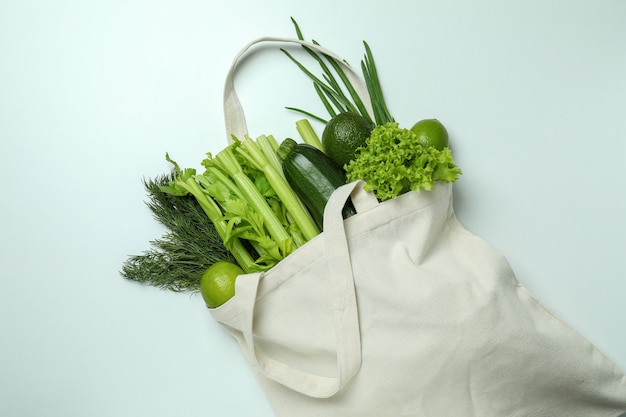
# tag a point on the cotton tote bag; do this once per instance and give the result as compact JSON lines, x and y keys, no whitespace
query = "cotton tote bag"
{"x":399,"y":311}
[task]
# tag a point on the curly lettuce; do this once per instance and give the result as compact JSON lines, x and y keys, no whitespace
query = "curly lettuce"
{"x":393,"y":162}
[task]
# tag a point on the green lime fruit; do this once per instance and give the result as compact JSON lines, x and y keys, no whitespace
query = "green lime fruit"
{"x":343,"y":135}
{"x":431,"y":132}
{"x":217,"y":284}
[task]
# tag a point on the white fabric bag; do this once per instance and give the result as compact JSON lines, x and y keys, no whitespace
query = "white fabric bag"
{"x":399,"y":311}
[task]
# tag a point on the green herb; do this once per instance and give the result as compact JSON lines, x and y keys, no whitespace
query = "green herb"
{"x":177,"y":260}
{"x":393,"y":161}
{"x":335,"y":90}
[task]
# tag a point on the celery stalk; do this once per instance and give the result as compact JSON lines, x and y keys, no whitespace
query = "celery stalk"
{"x":241,"y":219}
{"x":269,"y":146}
{"x":270,"y":154}
{"x":308,"y":134}
{"x":300,"y":215}
{"x":273,"y":142}
{"x":227,"y":161}
{"x":186,"y":184}
{"x":215,"y":174}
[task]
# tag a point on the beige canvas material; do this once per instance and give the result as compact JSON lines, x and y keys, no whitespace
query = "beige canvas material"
{"x":234,"y":116}
{"x":400,"y":311}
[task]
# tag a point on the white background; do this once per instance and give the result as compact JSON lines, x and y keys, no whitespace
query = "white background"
{"x":93,"y":93}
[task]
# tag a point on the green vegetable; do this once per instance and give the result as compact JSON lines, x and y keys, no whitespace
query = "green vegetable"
{"x":177,"y":260}
{"x":255,"y":157}
{"x":394,"y":161}
{"x":313,"y":176}
{"x":257,"y":215}
{"x":339,"y":95}
{"x":186,"y":182}
{"x":308,"y":134}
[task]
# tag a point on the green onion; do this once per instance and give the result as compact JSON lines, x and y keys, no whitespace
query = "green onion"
{"x":330,"y":87}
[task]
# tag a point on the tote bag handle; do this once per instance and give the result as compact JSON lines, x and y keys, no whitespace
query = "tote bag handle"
{"x":345,"y":312}
{"x":233,"y":112}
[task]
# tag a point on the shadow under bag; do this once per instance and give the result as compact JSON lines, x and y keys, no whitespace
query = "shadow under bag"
{"x":400,"y":311}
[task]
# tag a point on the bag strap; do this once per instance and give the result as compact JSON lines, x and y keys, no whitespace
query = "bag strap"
{"x":233,"y":112}
{"x":345,"y":309}
{"x":346,"y":321}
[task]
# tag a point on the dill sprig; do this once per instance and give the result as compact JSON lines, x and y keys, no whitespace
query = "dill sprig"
{"x":177,"y":260}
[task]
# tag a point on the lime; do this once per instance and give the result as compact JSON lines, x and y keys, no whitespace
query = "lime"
{"x":431,"y":133}
{"x":217,"y":284}
{"x":343,"y":135}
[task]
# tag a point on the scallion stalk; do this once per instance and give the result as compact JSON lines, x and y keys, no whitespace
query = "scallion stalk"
{"x":330,"y":86}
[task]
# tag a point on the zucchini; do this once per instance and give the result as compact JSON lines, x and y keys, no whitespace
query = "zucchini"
{"x":313,"y":176}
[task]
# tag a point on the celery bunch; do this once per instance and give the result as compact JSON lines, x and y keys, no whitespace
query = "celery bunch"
{"x":245,"y":195}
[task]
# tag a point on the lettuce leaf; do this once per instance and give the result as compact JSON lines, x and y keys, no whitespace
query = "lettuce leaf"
{"x":393,"y":162}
